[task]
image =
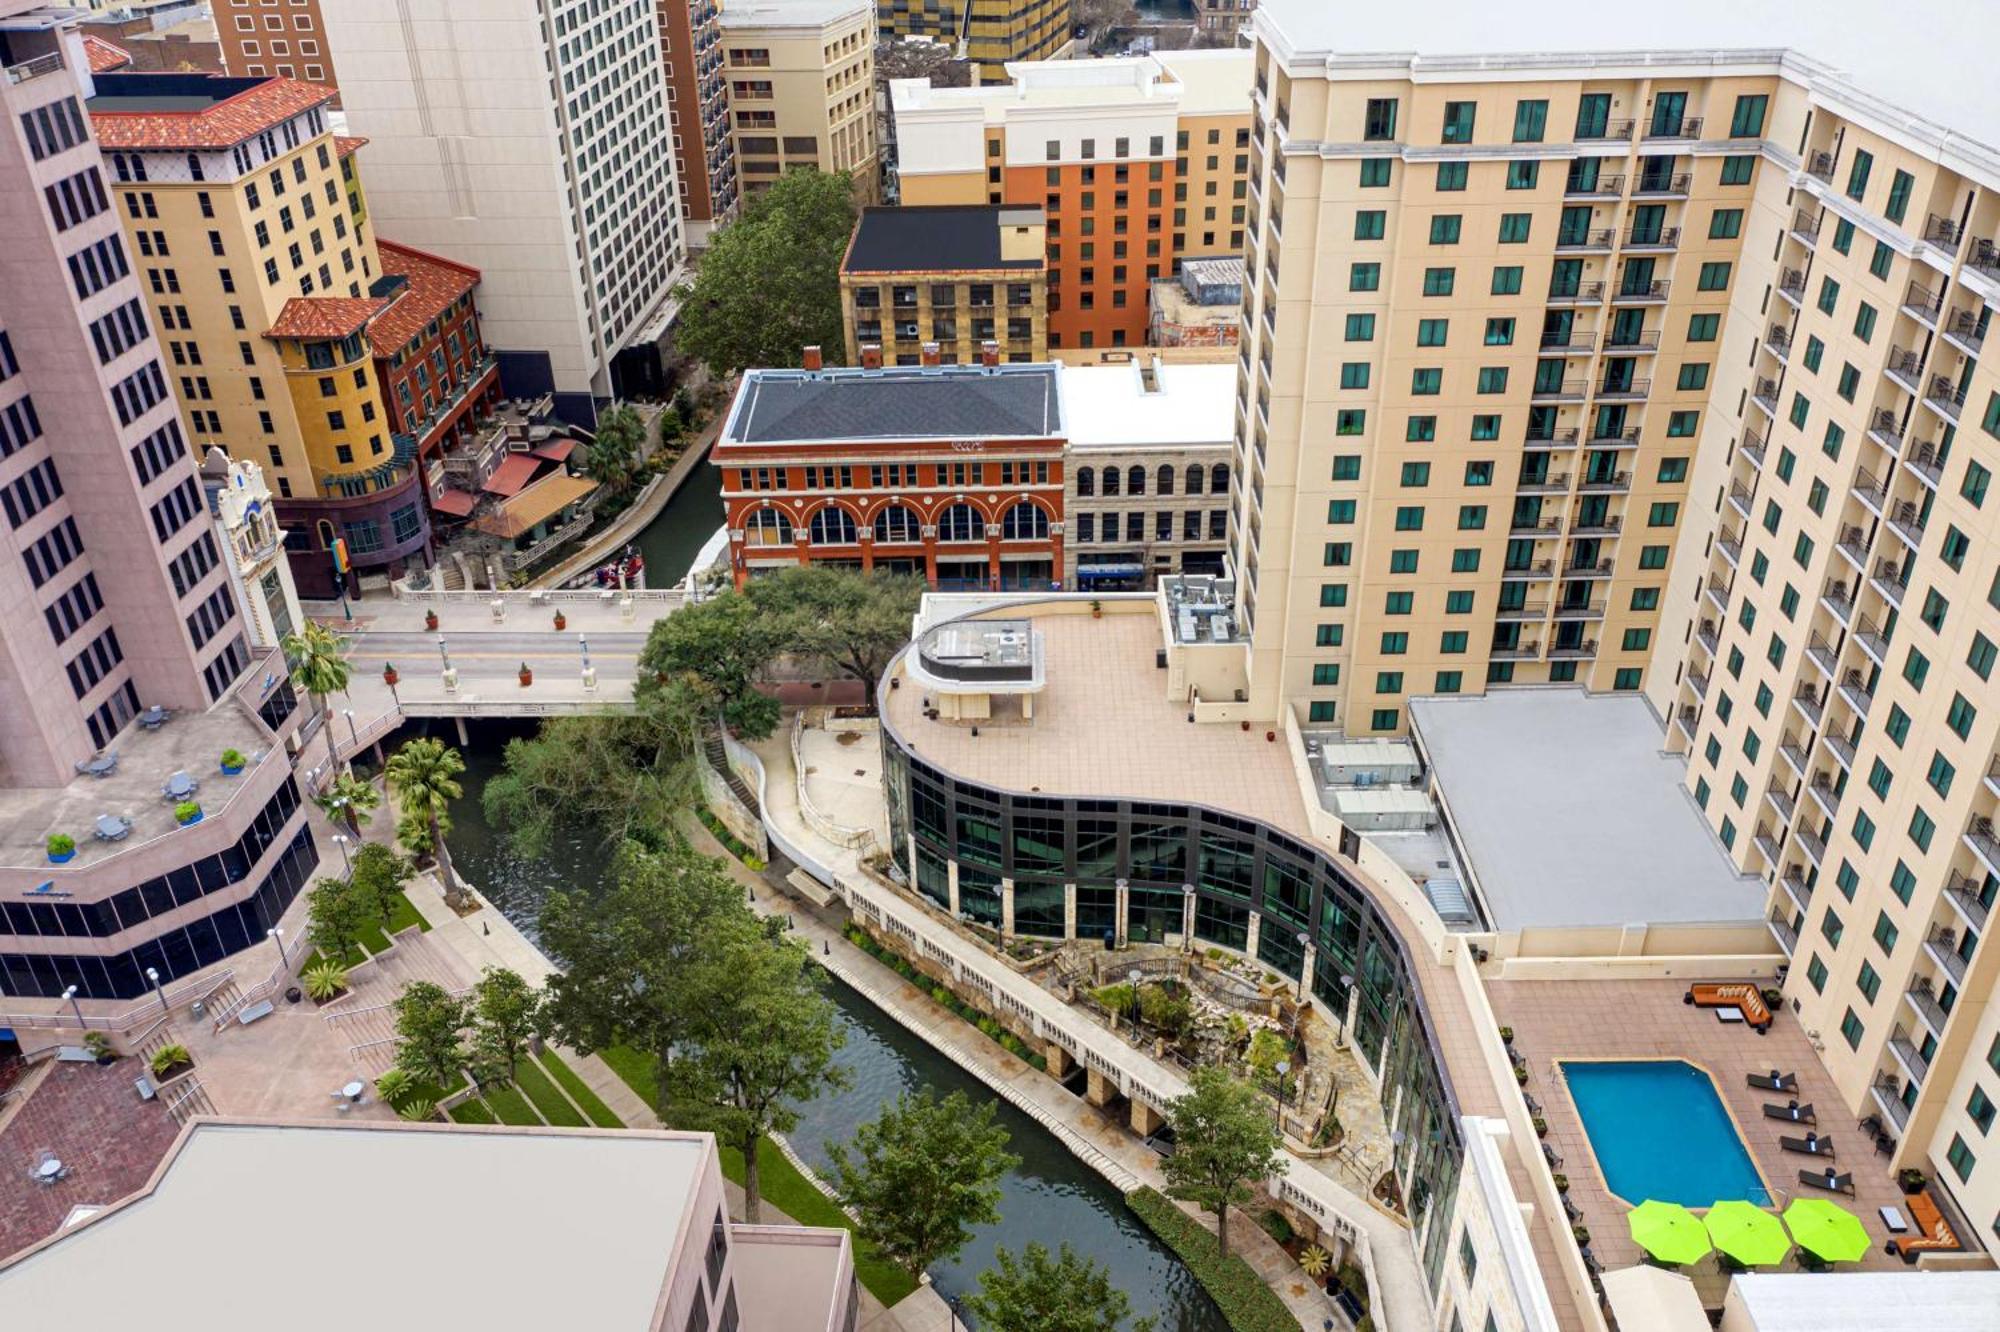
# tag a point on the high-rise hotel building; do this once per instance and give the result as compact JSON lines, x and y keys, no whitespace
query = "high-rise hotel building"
{"x":1659,"y":367}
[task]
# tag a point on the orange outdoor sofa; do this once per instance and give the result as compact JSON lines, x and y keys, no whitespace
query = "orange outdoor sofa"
{"x":1934,"y":1232}
{"x":1743,"y":997}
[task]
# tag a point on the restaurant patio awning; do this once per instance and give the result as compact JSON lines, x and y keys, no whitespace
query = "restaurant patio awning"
{"x":534,"y":505}
{"x":513,"y":473}
{"x":1650,"y":1299}
{"x":455,"y":503}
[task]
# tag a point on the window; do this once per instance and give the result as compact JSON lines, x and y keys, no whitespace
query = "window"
{"x":1748,"y":120}
{"x":1383,"y":719}
{"x":1499,"y":333}
{"x":1975,"y":484}
{"x":1738,"y":170}
{"x":1451,"y":176}
{"x":1426,"y":382}
{"x":1816,"y":973}
{"x":1354,"y":375}
{"x":1395,"y":644}
{"x":1725,"y":224}
{"x":1897,"y":728}
{"x":1493,"y":379}
{"x":1445,"y":230}
{"x":1681,"y":425}
{"x":1327,"y":635}
{"x":1370,"y":224}
{"x":1326,"y":673}
{"x":1486,"y":425}
{"x":1851,"y":1030}
{"x":1378,"y":121}
{"x":1514,"y":228}
{"x":1471,"y":517}
{"x":1815,"y":349}
{"x":1458,"y":603}
{"x":1663,"y":514}
{"x":1879,"y":262}
{"x":1829,"y":296}
{"x":1981,"y":656}
{"x":1636,"y":640}
{"x":1340,"y":512}
{"x":1364,"y":277}
{"x":1868,"y":982}
{"x":1346,"y":467}
{"x":1458,"y":121}
{"x":1375,"y":173}
{"x":1350,"y":421}
{"x":1334,"y":555}
{"x":1398,"y":603}
{"x":1713,"y":277}
{"x":1702,"y":327}
{"x":1432,"y":332}
{"x":1410,"y":518}
{"x":1416,"y":474}
{"x":1420,"y":429}
{"x":1507,"y":281}
{"x":1531,"y":119}
{"x":1333,"y":594}
{"x":1693,"y":377}
{"x":1361,"y":328}
{"x":1960,"y":716}
{"x":1523,"y":175}
{"x":1857,"y":173}
{"x":1898,"y":203}
{"x":1980,"y":1108}
{"x":1961,"y":1158}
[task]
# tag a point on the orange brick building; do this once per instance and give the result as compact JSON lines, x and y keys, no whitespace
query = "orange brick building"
{"x":954,"y":473}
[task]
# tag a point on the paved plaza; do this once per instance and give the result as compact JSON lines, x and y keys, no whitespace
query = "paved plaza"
{"x":88,"y":1117}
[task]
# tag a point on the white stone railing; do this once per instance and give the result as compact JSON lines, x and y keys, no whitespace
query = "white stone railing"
{"x":832,"y":830}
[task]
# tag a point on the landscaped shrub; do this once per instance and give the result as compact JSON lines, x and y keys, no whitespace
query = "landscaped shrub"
{"x":324,"y":980}
{"x":1274,"y":1224}
{"x":1246,"y":1302}
{"x":897,"y":963}
{"x":168,"y":1058}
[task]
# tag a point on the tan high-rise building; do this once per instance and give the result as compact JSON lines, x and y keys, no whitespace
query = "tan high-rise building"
{"x":1138,"y":162}
{"x":285,"y":41}
{"x":1664,"y":375}
{"x":801,"y":76}
{"x":698,"y":109}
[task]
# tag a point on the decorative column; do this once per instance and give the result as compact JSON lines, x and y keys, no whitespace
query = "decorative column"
{"x":1187,"y":918}
{"x":1250,"y":939}
{"x":1069,"y":912}
{"x":1007,"y":909}
{"x":1123,"y":909}
{"x":1306,"y":970}
{"x":951,"y":882}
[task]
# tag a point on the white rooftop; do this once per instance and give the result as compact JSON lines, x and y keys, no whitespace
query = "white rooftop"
{"x":1196,"y":82}
{"x":312,"y":1228}
{"x":1929,"y":57}
{"x":1569,"y":812}
{"x":791,"y":13}
{"x":1214,"y":82}
{"x":1914,"y":1301}
{"x":1109,"y":406}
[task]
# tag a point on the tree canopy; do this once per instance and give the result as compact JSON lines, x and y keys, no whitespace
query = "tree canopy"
{"x":769,"y":284}
{"x":431,"y":1022}
{"x":922,"y":1174}
{"x":850,"y":622}
{"x":424,"y":776}
{"x":722,"y":644}
{"x":506,"y":1012}
{"x":1223,"y":1140}
{"x":1040,"y":1292}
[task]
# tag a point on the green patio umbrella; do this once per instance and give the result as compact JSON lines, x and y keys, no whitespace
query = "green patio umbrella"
{"x":1668,"y":1231}
{"x":1824,"y":1227}
{"x":1748,"y":1233}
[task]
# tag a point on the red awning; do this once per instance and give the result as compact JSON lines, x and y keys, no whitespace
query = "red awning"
{"x":556,"y":450}
{"x":511,"y":475}
{"x":455,"y":503}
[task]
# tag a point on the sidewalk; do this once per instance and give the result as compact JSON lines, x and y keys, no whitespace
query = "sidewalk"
{"x":627,"y":526}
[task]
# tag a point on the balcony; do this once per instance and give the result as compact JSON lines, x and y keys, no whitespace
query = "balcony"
{"x":1874,"y":496}
{"x":1517,"y":651}
{"x":1945,"y":398}
{"x":1808,"y":841}
{"x":1575,"y":343}
{"x":1717,"y":591}
{"x":1578,"y":610}
{"x":1782,"y":803}
{"x":1852,"y":545}
{"x":1653,"y":239}
{"x":1792,"y":287}
{"x":1581,"y":651}
{"x":1642,"y":293}
{"x":1752,"y":449}
{"x":1819,"y":166}
{"x":1985,"y":257}
{"x":1608,"y":185}
{"x":1553,"y":484}
{"x":1873,"y":640}
{"x":1923,"y":1000}
{"x":1964,"y":895}
{"x":1740,"y":499}
{"x":1886,"y":428}
{"x":1526,"y":612}
{"x":1568,"y":390}
{"x":1729,"y":542}
{"x":1699,"y":683}
{"x":1890,"y":1102}
{"x":1778,"y":342}
{"x":1792,"y":753}
{"x":1704,"y":634}
{"x":1649,"y":186}
{"x":1943,"y":233}
{"x":1586,"y":241}
{"x":1531,"y":572}
{"x":1854,"y":692}
{"x":1906,"y":520}
{"x":1675,"y":129}
{"x":1807,"y":700}
{"x":1611,"y":131}
{"x":1686,"y":718}
{"x":1822,"y":655}
{"x":1782,"y":931}
{"x":1979,"y":837}
{"x":1766,"y":843}
{"x":1631,"y":390}
{"x":1923,"y":305}
{"x":1905,"y":1052}
{"x":1805,"y":228}
{"x":1764,"y":393}
{"x":1577,"y":293}
{"x":1993,"y":776}
{"x":1540,"y":530}
{"x":1824,"y":794}
{"x":1625,"y":439}
{"x":1965,"y":331}
{"x":1905,"y":369}
{"x":1841,"y":750}
{"x":1795,"y":888}
{"x":1603,"y":526}
{"x":1560,"y":439}
{"x":1942,"y":945}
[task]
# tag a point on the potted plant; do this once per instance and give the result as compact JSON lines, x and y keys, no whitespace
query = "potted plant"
{"x":1506,"y":1035}
{"x":1096,"y":609}
{"x":527,"y":676}
{"x":562,"y":622}
{"x":1562,"y":1183}
{"x":1773,"y":997}
{"x":1911,"y":1180}
{"x":169,"y":1060}
{"x":1541,"y":1126}
{"x":62,"y":848}
{"x":389,"y":676}
{"x":99,"y":1046}
{"x":1582,"y":1234}
{"x":187,"y":813}
{"x":1521,"y":1074}
{"x":324,"y":980}
{"x":430,"y":620}
{"x":233,"y":762}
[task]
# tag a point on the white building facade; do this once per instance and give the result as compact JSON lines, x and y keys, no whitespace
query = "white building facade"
{"x":246,"y":527}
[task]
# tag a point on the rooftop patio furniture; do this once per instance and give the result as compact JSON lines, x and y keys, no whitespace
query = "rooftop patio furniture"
{"x":263,"y":1008}
{"x":180,"y":786}
{"x":74,"y":1054}
{"x":1812,"y":1145}
{"x":1774,"y":1081}
{"x":1793,"y":1112}
{"x":153,"y":718}
{"x":112,"y":828}
{"x":1935,"y":1233}
{"x":102,"y":765}
{"x":47,"y":1169}
{"x":1740,"y":996}
{"x":1828,"y":1180}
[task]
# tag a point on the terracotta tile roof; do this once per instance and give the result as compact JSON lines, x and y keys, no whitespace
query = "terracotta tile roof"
{"x":223,"y":124}
{"x":104,"y":56}
{"x":323,"y":318}
{"x":513,"y":473}
{"x":456,"y":503}
{"x":345,"y":144}
{"x":431,"y":285}
{"x":536,"y":504}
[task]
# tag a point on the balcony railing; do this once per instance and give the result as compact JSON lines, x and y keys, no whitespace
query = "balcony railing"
{"x":1852,"y":544}
{"x":1945,"y":397}
{"x":1979,"y":837}
{"x":1841,"y":749}
{"x":1906,"y":368}
{"x":1752,"y":449}
{"x":1624,"y":439}
{"x":1796,"y":887}
{"x":1580,"y":293}
{"x":1765,"y":394}
{"x":1965,"y":330}
{"x":1568,"y":390}
{"x":1699,"y":683}
{"x":1781,"y":801}
{"x":1869,"y":489}
{"x":1822,"y":789}
{"x":1555,"y":483}
{"x":1574,"y":343}
{"x":1906,"y":1053}
{"x":1787,"y":937}
{"x":1632,"y":292}
{"x":1792,"y":752}
{"x":1580,"y":610}
{"x":1943,"y":233}
{"x":1582,"y":651}
{"x":1838,"y":597}
{"x":1603,"y":525}
{"x":1854,"y":690}
{"x":1891,"y":581}
{"x":1923,"y":998}
{"x":1687,"y":717}
{"x":1527,"y":610}
{"x":1886,"y":427}
{"x":1872,"y":639}
{"x":1661,"y":186}
{"x":1631,"y":390}
{"x":1889,"y":1100}
{"x":1964,"y":895}
{"x":1779,"y":342}
{"x":1922,"y":304}
{"x":1985,"y":257}
{"x":1653,"y":238}
{"x":1555,"y":439}
{"x":1644,"y":341}
{"x":1906,"y":520}
{"x":1517,"y":652}
{"x":1805,"y":226}
{"x":35,"y":68}
{"x":1942,"y":946}
{"x":1612,"y":131}
{"x":1585,"y":241}
{"x":1607,"y":183}
{"x":1823,"y":655}
{"x":1705,"y":635}
{"x":1792,"y":285}
{"x":1606,"y":483}
{"x":1689,"y":128}
{"x":1806,"y":699}
{"x":1819,"y":166}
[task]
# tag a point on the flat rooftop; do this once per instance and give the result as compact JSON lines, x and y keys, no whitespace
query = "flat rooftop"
{"x":550,"y":1229}
{"x":1569,"y":812}
{"x":1870,"y":1301}
{"x":911,"y":402}
{"x":944,"y":238}
{"x":1912,"y":63}
{"x":1129,"y":406}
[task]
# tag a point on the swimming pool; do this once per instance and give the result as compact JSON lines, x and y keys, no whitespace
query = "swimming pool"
{"x":1659,"y":1130}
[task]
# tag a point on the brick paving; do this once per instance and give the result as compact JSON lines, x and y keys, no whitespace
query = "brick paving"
{"x":94,"y":1122}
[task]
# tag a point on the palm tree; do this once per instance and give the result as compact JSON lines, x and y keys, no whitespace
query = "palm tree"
{"x":319,"y":666}
{"x":423,"y":776}
{"x":349,"y":799}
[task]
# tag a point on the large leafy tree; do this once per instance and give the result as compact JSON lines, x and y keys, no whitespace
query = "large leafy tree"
{"x":378,"y":879}
{"x":335,"y":917}
{"x":1040,"y":1292}
{"x":725,"y":643}
{"x":1223,"y":1140}
{"x":430,"y":1021}
{"x":506,"y":1012}
{"x":424,"y":776}
{"x":319,"y":666}
{"x":850,"y":622}
{"x":769,"y":284}
{"x":922,"y":1174}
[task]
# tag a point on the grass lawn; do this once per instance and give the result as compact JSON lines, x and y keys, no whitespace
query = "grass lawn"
{"x":470,"y":1112}
{"x":510,"y":1106}
{"x":403,"y":914}
{"x":535,"y":1085}
{"x":587,"y":1100}
{"x":375,"y":938}
{"x":782,"y":1184}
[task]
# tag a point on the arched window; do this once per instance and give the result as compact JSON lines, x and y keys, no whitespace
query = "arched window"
{"x":1025,"y":522}
{"x":1218,"y":479}
{"x":1194,"y":475}
{"x":1165,"y":480}
{"x":767,"y":527}
{"x":897,"y":523}
{"x":833,"y":526}
{"x":961,"y":522}
{"x":1086,"y":481}
{"x":1111,"y":479}
{"x":1135,"y":481}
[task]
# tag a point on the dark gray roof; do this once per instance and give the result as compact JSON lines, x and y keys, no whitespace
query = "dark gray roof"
{"x":942,"y":402}
{"x":934,"y":239}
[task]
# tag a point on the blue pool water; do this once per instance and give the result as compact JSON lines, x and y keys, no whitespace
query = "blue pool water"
{"x":1659,"y":1130}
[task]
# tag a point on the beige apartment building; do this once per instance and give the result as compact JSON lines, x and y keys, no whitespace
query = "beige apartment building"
{"x":955,"y":278}
{"x":801,"y":77}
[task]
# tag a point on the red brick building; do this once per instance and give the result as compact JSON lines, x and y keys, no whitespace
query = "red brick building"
{"x":951,"y":472}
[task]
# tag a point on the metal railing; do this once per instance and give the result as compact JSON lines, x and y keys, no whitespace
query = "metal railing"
{"x":173,"y":996}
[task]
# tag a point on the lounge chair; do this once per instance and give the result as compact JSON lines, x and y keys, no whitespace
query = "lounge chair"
{"x":1826,"y":1179}
{"x":1793,"y":1113}
{"x":1808,"y":1146}
{"x":1739,"y":995}
{"x":1774,"y":1081}
{"x":1936,"y":1236}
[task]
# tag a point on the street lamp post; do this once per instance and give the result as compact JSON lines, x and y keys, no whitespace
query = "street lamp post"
{"x":75,"y":1007}
{"x":955,"y":1309}
{"x":1347,"y":991}
{"x":450,"y":676}
{"x":277,"y":936}
{"x":153,"y":975}
{"x":340,"y":840}
{"x":353,"y":737}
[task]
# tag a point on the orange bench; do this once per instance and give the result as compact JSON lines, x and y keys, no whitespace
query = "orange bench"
{"x":1745,"y":998}
{"x":1935,"y":1233}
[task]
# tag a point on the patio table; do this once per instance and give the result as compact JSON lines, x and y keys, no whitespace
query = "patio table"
{"x":112,"y":828}
{"x":49,"y":1171}
{"x":155,"y":717}
{"x":352,"y":1091}
{"x":101,"y":766}
{"x":180,"y":786}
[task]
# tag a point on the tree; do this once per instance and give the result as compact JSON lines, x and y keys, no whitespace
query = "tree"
{"x":350,"y":799}
{"x":423,"y":774}
{"x":614,"y":450}
{"x":724,"y":644}
{"x":769,"y":285}
{"x":922,"y":1174}
{"x":506,"y":1012}
{"x":848,"y":621}
{"x":431,"y":1024}
{"x":378,"y":880}
{"x":1039,"y":1293}
{"x":319,"y":666}
{"x":335,"y":917}
{"x":763,"y":1041}
{"x":1223,"y":1139}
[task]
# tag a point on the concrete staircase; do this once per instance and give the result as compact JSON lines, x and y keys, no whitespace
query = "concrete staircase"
{"x":718,"y":758}
{"x":367,"y":1020}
